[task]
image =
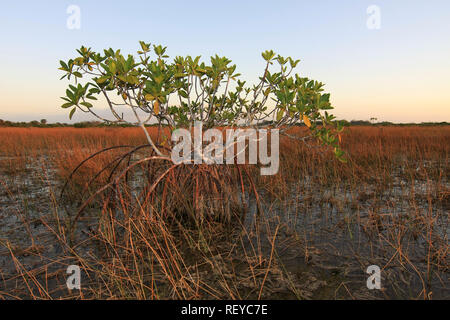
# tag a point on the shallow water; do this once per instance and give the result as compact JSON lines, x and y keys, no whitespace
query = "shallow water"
{"x":329,"y":236}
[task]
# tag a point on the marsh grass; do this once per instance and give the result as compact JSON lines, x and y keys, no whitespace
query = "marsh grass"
{"x":159,"y":231}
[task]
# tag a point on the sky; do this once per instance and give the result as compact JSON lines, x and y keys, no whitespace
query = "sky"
{"x":398,"y":72}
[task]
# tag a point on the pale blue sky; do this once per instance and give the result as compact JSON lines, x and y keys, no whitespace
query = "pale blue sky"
{"x":399,"y":73}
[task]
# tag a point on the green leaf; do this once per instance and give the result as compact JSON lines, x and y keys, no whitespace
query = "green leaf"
{"x":71,"y":113}
{"x":183,"y":94}
{"x":94,"y":90}
{"x":132,"y":79}
{"x":144,"y":46}
{"x":112,"y":67}
{"x":280,"y":114}
{"x":149,"y":97}
{"x":87,"y":104}
{"x":70,"y":95}
{"x":67,"y":105}
{"x":101,"y":79}
{"x":268,"y":55}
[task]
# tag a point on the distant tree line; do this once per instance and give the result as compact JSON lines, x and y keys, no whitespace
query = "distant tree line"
{"x":43,"y":123}
{"x":387,"y":123}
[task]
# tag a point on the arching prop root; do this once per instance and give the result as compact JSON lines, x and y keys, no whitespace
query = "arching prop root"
{"x":181,"y":193}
